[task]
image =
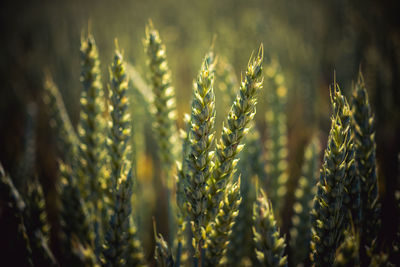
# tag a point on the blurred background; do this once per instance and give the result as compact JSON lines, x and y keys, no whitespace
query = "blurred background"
{"x":310,"y":39}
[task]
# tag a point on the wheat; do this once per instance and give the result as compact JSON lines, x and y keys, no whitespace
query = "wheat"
{"x":162,"y":253}
{"x":16,"y":206}
{"x":351,"y":200}
{"x":348,"y":252}
{"x":236,"y":127}
{"x":220,"y":229}
{"x":164,"y":100}
{"x":91,"y":126}
{"x":328,"y":213}
{"x":59,"y":120}
{"x":276,"y":142}
{"x":120,"y":129}
{"x":251,"y":166}
{"x":300,"y":232}
{"x":120,"y":244}
{"x":74,"y":218}
{"x":364,"y":141}
{"x":270,"y":246}
{"x":200,"y":157}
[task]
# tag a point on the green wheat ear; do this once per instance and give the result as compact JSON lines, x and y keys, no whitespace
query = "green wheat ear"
{"x":91,"y":126}
{"x":328,"y":212}
{"x":364,"y":141}
{"x":16,"y":205}
{"x":241,"y":113}
{"x":117,"y":237}
{"x":220,"y":229}
{"x":200,"y":155}
{"x":37,"y":226}
{"x":121,"y":246}
{"x":59,"y":120}
{"x":300,"y":234}
{"x":164,"y":100}
{"x":270,"y":246}
{"x":276,"y":142}
{"x":352,"y":185}
{"x":120,"y":126}
{"x":251,"y":166}
{"x":74,"y":218}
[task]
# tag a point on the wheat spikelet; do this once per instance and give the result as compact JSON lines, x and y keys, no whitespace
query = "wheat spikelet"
{"x":348,"y":252}
{"x":251,"y":166}
{"x":239,"y":117}
{"x":74,"y":218}
{"x":117,"y":237}
{"x":135,"y":255}
{"x":37,"y":226}
{"x":220,"y":229}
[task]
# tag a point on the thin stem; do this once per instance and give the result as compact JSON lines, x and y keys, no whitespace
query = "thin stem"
{"x":178,"y":255}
